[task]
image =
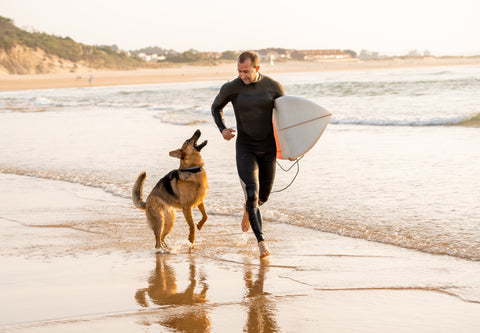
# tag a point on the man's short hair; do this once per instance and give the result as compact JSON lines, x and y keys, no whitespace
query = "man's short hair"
{"x":249,"y":55}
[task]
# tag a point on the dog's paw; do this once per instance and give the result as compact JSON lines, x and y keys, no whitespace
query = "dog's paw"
{"x":164,"y":245}
{"x":163,"y":251}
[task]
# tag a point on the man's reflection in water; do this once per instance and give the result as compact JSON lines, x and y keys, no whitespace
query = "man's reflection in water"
{"x":261,"y":310}
{"x":162,"y":290}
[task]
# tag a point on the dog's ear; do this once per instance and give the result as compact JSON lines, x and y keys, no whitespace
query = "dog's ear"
{"x":177,"y":153}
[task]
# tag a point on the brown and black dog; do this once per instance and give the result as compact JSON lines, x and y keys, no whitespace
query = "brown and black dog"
{"x":183,"y":188}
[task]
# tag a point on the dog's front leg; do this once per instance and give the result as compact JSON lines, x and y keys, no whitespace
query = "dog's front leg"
{"x":200,"y":224}
{"x":187,"y":212}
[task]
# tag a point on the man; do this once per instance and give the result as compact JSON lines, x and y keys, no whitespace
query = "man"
{"x":252,"y":96}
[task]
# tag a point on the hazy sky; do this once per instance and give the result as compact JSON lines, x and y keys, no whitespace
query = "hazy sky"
{"x":390,"y":27}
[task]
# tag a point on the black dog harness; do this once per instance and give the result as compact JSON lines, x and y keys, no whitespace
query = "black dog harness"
{"x":167,"y":180}
{"x":193,"y":169}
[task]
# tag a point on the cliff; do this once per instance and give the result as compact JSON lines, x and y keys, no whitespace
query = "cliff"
{"x":23,"y":52}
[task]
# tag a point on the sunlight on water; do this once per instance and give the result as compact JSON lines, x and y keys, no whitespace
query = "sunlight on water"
{"x":402,"y":181}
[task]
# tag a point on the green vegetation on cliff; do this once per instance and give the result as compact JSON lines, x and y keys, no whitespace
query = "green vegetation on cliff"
{"x":64,"y":48}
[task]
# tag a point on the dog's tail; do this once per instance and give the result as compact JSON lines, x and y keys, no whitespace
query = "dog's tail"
{"x":137,"y":192}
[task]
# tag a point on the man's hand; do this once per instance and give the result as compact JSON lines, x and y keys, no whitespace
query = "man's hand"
{"x":228,"y":133}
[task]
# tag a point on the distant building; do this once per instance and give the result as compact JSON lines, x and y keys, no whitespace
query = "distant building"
{"x":212,"y":55}
{"x":151,"y":57}
{"x":142,"y":56}
{"x":316,"y":55}
{"x":365,"y":55}
{"x":414,"y":53}
{"x":273,"y":54}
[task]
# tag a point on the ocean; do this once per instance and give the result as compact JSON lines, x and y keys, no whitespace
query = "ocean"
{"x":396,"y":165}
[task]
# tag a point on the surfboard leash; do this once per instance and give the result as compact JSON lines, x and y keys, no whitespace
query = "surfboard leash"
{"x":287,"y":170}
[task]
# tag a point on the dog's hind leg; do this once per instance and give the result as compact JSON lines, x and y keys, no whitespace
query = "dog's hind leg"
{"x":155,"y":219}
{"x":200,"y":224}
{"x":169,"y":219}
{"x":187,"y":212}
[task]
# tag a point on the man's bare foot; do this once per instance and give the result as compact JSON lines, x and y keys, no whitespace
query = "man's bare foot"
{"x":245,"y":221}
{"x":264,"y":251}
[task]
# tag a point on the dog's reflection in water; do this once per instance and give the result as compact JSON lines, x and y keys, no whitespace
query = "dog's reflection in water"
{"x":163,"y":290}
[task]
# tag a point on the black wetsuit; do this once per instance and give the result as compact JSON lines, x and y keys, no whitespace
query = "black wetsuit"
{"x":255,"y":146}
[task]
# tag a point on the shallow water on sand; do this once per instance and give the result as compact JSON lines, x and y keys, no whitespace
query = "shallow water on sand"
{"x":93,"y":267}
{"x":381,"y":171}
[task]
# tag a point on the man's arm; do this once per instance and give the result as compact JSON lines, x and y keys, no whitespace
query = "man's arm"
{"x":219,"y":103}
{"x":217,"y":109}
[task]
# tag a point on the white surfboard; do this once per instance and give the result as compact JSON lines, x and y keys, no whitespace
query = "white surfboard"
{"x":298,"y":124}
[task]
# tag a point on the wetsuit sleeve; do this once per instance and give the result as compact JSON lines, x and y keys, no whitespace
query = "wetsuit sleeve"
{"x":219,"y":103}
{"x":279,"y":90}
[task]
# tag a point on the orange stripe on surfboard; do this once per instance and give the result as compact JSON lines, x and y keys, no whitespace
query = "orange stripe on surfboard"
{"x":279,"y":149}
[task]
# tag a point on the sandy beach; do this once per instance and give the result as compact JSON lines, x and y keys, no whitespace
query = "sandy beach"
{"x":86,"y":262}
{"x":223,"y":71}
{"x":77,"y":256}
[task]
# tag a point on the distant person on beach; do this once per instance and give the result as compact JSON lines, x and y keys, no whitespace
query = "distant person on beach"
{"x":252,"y":95}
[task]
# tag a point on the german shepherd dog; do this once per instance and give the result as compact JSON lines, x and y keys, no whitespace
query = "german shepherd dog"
{"x":183,"y":188}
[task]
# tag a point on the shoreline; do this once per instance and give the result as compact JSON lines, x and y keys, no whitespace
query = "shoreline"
{"x":224,"y":71}
{"x":97,"y":249}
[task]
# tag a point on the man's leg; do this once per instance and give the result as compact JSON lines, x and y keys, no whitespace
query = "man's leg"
{"x":266,"y":175}
{"x":266,"y":171}
{"x":247,"y":168}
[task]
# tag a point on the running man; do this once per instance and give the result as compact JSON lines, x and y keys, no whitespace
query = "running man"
{"x":252,"y":95}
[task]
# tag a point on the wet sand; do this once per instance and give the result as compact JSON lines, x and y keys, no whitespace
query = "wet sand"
{"x":224,"y":71}
{"x":77,"y":259}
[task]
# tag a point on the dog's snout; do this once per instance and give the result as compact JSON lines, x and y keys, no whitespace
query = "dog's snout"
{"x":200,"y":146}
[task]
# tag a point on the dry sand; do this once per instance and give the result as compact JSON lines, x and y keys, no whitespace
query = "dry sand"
{"x":224,"y":71}
{"x":76,"y":259}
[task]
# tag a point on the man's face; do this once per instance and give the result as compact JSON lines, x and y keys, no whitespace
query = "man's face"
{"x":247,"y":72}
